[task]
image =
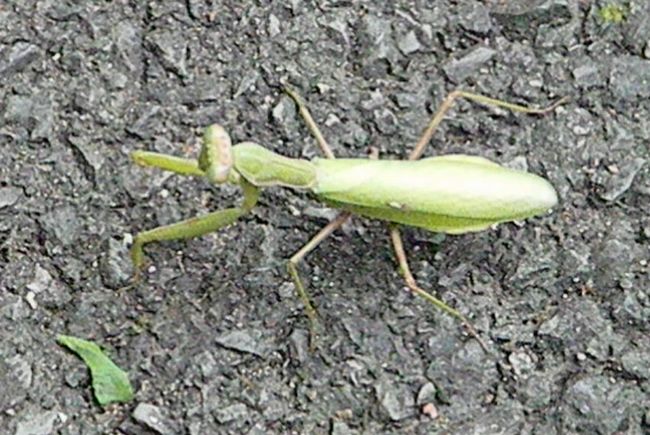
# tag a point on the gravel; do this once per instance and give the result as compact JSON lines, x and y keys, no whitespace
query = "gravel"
{"x":212,"y":336}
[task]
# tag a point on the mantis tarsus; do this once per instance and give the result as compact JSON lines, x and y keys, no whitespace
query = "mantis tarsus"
{"x":452,"y":194}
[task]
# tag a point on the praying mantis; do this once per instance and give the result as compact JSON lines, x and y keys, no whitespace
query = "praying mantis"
{"x":452,"y":194}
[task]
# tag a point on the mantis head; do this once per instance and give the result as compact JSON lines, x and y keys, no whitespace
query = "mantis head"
{"x":221,"y":162}
{"x":216,"y":158}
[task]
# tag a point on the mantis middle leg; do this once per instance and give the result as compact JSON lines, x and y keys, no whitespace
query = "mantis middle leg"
{"x":311,"y":124}
{"x":292,"y":264}
{"x":332,"y":226}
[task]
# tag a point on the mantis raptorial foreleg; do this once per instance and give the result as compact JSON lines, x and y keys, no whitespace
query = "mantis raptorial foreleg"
{"x":187,"y":229}
{"x":193,"y":227}
{"x":166,"y":162}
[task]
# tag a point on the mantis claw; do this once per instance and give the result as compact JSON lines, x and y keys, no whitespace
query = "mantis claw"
{"x":137,"y":257}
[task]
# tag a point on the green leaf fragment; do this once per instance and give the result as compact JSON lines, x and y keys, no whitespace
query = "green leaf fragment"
{"x":110,"y":383}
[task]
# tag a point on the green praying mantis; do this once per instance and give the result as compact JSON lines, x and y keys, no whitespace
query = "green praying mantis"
{"x":452,"y":194}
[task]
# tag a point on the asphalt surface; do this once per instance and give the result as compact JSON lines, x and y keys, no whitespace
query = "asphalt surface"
{"x":213,"y":336}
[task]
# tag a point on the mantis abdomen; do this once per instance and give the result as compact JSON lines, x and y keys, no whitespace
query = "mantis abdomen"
{"x":452,"y":194}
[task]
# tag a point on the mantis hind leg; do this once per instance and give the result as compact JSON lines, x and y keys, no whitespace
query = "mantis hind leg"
{"x":193,"y":227}
{"x":166,"y":162}
{"x":415,"y":288}
{"x":482,"y":99}
{"x":416,"y":154}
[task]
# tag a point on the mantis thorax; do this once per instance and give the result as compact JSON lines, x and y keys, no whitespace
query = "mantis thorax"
{"x":262,"y":167}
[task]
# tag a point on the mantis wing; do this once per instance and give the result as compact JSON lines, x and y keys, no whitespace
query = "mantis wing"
{"x":452,"y":194}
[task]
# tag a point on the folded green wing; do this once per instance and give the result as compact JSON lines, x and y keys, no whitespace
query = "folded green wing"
{"x":453,"y":194}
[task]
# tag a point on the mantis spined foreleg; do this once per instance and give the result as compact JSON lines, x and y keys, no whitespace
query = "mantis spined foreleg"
{"x":189,"y":228}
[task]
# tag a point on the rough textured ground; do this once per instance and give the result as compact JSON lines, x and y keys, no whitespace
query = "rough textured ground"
{"x":213,"y":337}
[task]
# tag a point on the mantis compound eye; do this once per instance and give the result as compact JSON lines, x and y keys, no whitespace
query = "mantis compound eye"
{"x":216,"y":158}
